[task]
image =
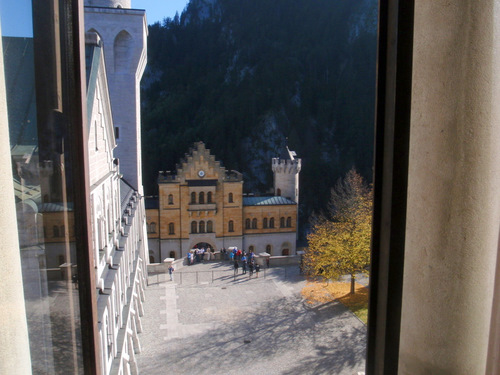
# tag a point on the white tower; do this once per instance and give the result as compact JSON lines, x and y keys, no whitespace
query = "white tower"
{"x":123,"y":32}
{"x":286,"y":171}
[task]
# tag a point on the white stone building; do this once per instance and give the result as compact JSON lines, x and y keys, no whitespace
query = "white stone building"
{"x":118,"y":228}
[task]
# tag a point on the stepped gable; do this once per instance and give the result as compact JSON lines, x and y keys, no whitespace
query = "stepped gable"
{"x":198,"y":164}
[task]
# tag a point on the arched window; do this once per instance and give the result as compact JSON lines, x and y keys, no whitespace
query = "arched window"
{"x":231,"y":226}
{"x":251,"y":248}
{"x":201,"y":198}
{"x":264,"y":223}
{"x":193,"y":198}
{"x":230,"y":198}
{"x":269,"y":249}
{"x":172,"y":254}
{"x":271,"y":222}
{"x":122,"y":51}
{"x":151,"y":259}
{"x":209,"y":197}
{"x":288,"y":222}
{"x":202,"y":226}
{"x":210,"y":226}
{"x":171,"y":228}
{"x":247,"y":223}
{"x":152,"y":227}
{"x":55,"y":231}
{"x":254,"y":223}
{"x":278,"y":192}
{"x":194,"y":227}
{"x":282,"y":222}
{"x":170,"y":199}
{"x":285,"y":252}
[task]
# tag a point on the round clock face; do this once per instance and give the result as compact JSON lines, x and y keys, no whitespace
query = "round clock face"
{"x":201,"y":173}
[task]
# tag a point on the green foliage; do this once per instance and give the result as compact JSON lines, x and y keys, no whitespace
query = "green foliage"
{"x":308,"y":65}
{"x":339,"y":243}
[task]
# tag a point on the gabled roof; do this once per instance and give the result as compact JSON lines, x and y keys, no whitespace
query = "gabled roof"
{"x":266,"y":201}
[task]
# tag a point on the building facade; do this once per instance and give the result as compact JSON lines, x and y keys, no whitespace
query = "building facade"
{"x":203,"y":205}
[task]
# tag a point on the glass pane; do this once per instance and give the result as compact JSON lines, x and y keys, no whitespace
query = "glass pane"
{"x":43,"y":188}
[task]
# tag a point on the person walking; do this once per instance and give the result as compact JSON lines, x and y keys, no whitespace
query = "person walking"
{"x":236,"y":266}
{"x":257,"y":270}
{"x":250,"y":269}
{"x":171,"y":272}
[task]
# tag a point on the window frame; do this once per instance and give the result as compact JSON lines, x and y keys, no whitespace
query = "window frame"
{"x":392,"y":132}
{"x":72,"y":61}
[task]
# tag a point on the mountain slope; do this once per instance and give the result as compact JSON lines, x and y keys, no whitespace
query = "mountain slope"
{"x":244,"y":75}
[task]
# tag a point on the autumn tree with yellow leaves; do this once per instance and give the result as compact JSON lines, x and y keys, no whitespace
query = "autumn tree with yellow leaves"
{"x":339,"y":243}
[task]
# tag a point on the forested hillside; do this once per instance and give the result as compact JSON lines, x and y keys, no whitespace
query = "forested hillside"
{"x":244,"y":75}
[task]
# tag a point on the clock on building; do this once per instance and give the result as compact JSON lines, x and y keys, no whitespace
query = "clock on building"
{"x":201,"y":173}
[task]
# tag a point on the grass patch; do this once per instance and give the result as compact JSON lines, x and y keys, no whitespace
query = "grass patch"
{"x":316,"y":292}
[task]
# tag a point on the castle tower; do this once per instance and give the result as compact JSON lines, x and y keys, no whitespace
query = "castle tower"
{"x":123,"y":32}
{"x":286,"y":171}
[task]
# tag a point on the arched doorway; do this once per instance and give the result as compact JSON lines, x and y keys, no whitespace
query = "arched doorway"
{"x":285,"y":248}
{"x":204,"y":245}
{"x":172,"y":254}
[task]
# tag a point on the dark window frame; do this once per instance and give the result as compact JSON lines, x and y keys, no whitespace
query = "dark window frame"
{"x":71,"y":61}
{"x":392,"y":132}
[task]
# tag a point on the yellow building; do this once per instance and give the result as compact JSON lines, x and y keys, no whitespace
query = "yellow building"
{"x":203,"y":205}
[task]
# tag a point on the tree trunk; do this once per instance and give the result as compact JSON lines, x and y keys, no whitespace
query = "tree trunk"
{"x":353,"y":281}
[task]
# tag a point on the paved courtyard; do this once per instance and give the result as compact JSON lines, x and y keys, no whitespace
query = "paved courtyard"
{"x":207,"y":322}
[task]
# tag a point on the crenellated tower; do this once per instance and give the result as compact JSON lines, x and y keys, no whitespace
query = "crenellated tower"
{"x":286,"y":169}
{"x":123,"y":32}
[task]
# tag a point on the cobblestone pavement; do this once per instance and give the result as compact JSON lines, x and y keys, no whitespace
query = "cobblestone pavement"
{"x":226,"y":325}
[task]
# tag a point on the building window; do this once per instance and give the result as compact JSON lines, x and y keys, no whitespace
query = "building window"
{"x":210,"y":226}
{"x":264,"y":223}
{"x":269,"y":249}
{"x":254,"y":223}
{"x":170,"y":199}
{"x":62,"y":232}
{"x":172,"y":254}
{"x":117,"y":132}
{"x":278,"y":192}
{"x":202,"y":226}
{"x":271,"y":222}
{"x":194,"y":227}
{"x":230,"y":200}
{"x":231,"y":226}
{"x":251,"y":248}
{"x":55,"y":231}
{"x":193,"y":198}
{"x":209,"y":197}
{"x":171,"y":228}
{"x":247,"y":223}
{"x":152,"y":227}
{"x":201,"y":198}
{"x":282,"y":222}
{"x":288,"y":222}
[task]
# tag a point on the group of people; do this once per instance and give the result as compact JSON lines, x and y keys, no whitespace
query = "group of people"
{"x":247,"y":262}
{"x":199,"y":255}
